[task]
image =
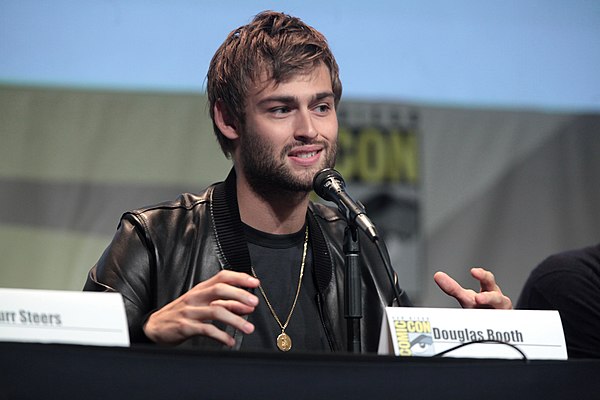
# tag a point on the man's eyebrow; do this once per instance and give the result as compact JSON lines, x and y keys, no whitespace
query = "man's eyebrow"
{"x":278,"y":99}
{"x":291,"y":99}
{"x":324,"y":95}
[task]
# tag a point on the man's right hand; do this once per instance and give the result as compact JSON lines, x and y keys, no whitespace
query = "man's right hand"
{"x":220,"y":298}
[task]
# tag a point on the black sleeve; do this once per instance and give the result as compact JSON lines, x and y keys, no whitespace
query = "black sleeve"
{"x":124,"y":267}
{"x":569,"y":282}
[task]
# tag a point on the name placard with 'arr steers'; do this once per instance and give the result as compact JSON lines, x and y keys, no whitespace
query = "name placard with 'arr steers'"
{"x":57,"y":316}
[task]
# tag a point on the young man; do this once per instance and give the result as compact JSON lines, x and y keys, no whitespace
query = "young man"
{"x":251,"y":263}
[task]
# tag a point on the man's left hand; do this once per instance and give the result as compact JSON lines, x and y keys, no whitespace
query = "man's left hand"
{"x":490,"y":295}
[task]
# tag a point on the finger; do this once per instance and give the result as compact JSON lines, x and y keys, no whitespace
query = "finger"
{"x":196,"y":328}
{"x":486,"y":279}
{"x":207,"y":292}
{"x":452,"y":288}
{"x":224,"y":315}
{"x":494,"y":300}
{"x":224,"y":291}
{"x":234,"y":306}
{"x":177,"y":322}
{"x":206,"y":315}
{"x":234,"y":278}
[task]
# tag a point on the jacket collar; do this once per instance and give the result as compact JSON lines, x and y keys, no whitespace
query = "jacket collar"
{"x":229,"y":230}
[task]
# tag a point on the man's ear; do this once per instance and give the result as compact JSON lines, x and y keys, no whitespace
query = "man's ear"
{"x":224,"y":121}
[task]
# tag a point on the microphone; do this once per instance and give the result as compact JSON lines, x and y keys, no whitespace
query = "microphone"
{"x":329,"y":185}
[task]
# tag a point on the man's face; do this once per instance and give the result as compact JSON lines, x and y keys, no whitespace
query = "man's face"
{"x":290,"y":132}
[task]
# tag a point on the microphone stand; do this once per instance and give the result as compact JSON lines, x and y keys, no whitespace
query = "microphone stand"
{"x":352,"y":288}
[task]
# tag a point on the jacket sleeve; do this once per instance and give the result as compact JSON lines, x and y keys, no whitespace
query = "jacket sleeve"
{"x":124,"y":267}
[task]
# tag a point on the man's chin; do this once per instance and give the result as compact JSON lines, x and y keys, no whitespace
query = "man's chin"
{"x":304,"y":179}
{"x":308,"y":173}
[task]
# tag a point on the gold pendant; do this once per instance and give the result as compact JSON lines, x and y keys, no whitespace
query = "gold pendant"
{"x":284,"y":342}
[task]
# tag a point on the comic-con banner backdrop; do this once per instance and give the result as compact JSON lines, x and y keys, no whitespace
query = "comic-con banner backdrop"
{"x":379,"y":158}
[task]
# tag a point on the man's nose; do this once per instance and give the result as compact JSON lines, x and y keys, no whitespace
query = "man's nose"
{"x":304,"y":126}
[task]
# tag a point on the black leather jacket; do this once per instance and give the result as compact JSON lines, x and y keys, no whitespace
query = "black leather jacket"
{"x":160,"y":252}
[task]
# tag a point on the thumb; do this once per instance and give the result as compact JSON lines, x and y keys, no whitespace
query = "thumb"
{"x":447,"y":284}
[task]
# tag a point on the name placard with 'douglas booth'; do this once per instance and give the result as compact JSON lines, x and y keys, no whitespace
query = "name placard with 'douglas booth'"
{"x":472,"y":333}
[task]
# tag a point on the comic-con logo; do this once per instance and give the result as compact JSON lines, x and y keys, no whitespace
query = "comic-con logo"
{"x":414,"y":337}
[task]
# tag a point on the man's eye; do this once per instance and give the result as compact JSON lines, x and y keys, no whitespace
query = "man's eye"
{"x":280,"y":110}
{"x":322,"y":108}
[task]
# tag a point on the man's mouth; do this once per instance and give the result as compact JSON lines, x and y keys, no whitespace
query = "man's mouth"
{"x":306,"y":155}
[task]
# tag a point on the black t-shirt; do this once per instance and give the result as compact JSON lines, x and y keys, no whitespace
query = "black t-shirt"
{"x":276,"y":259}
{"x":570,"y":283}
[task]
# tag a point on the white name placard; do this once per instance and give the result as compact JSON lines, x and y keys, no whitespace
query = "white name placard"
{"x":475,"y":333}
{"x":55,"y":316}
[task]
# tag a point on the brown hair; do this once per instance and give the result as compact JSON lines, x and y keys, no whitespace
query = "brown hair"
{"x":275,"y":43}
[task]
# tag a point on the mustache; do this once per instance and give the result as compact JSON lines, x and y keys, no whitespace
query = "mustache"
{"x":289,"y":147}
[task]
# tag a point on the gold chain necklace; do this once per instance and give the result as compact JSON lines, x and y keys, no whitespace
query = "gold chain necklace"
{"x":284,"y":341}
